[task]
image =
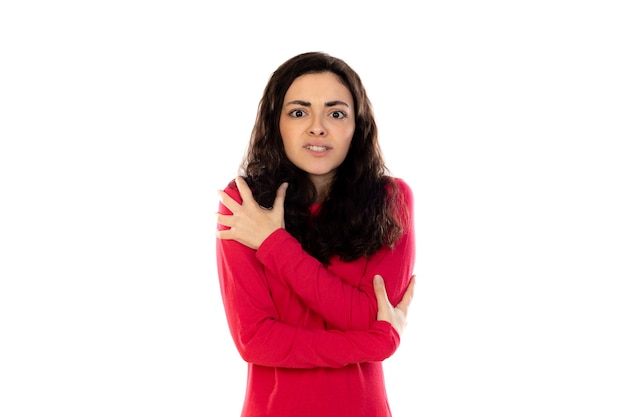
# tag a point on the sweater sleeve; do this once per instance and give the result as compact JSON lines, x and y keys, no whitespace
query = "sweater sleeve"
{"x":262,"y":338}
{"x":343,"y":305}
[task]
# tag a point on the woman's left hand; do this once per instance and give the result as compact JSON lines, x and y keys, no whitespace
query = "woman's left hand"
{"x":250,"y":224}
{"x":396,"y":316}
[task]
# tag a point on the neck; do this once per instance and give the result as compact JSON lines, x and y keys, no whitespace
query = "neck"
{"x":322,"y":186}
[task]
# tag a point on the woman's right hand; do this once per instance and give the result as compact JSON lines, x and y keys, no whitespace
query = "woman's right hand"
{"x":249,"y":223}
{"x":396,"y":316}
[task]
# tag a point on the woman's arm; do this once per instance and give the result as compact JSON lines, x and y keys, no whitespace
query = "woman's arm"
{"x":346,"y":303}
{"x":262,"y":338}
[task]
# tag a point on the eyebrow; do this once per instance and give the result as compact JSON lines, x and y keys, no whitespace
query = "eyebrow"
{"x":327,"y":104}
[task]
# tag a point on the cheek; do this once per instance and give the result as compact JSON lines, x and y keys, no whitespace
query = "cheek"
{"x":349,"y":134}
{"x":347,"y":143}
{"x":290,"y":145}
{"x":286,"y":136}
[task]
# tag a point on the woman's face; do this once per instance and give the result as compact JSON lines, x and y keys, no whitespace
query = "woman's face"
{"x":317,"y":124}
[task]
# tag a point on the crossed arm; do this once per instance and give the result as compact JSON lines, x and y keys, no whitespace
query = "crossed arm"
{"x":360,"y":311}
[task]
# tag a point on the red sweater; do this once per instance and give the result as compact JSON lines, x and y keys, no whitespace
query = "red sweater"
{"x":308,"y":332}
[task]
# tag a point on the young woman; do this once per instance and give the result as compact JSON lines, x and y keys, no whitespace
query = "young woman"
{"x":304,"y":236}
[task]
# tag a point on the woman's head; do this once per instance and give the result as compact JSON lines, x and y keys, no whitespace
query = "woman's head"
{"x":316,"y":125}
{"x":360,"y":200}
{"x":266,"y":152}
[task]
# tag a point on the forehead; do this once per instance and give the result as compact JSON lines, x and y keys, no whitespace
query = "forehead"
{"x":325,"y":85}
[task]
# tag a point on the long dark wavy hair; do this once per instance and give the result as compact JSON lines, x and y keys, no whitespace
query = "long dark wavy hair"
{"x":361,"y":212}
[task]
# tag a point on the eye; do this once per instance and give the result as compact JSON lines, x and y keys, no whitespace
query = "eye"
{"x":337,"y":114}
{"x":296,"y":113}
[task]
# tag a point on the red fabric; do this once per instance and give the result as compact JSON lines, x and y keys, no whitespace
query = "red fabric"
{"x":308,"y":332}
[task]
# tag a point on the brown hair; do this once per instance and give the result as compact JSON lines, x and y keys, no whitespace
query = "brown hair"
{"x":357,"y":216}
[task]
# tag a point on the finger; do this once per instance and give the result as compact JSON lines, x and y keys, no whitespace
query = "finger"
{"x":224,"y":234}
{"x":279,"y":201}
{"x":228,"y":201}
{"x":408,"y":296}
{"x":244,"y":190}
{"x":224,"y":220}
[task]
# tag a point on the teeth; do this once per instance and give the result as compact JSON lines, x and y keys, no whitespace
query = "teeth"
{"x":317,"y":148}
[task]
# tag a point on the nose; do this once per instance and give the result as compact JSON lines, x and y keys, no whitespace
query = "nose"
{"x":317,"y":132}
{"x":317,"y":127}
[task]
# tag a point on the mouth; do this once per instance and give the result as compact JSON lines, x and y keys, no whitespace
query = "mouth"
{"x":316,"y":148}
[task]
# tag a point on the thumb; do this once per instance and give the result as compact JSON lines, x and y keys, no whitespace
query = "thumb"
{"x":381,"y":293}
{"x":279,"y":201}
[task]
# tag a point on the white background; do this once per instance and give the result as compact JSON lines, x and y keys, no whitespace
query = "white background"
{"x":119,"y":120}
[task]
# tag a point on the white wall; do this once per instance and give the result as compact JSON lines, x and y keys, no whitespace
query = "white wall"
{"x":120,"y":120}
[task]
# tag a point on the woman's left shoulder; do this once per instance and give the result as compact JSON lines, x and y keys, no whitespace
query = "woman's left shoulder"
{"x":401,"y":200}
{"x":403,"y":187}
